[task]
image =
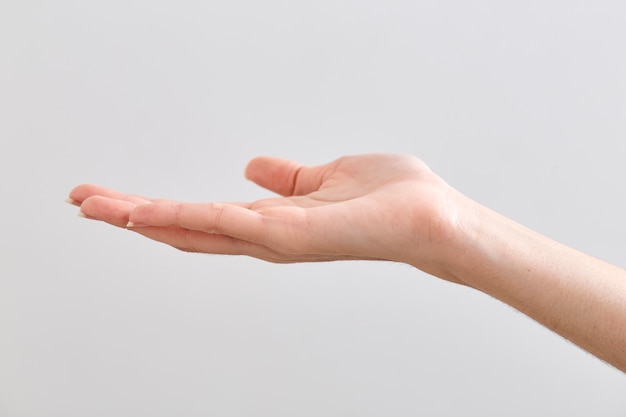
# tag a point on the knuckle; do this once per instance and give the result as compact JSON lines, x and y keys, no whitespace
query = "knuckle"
{"x":178,"y":212}
{"x":217,"y":210}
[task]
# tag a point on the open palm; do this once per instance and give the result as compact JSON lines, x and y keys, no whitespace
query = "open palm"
{"x":377,"y":206}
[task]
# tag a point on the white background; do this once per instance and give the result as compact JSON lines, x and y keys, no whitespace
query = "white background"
{"x":520,"y":105}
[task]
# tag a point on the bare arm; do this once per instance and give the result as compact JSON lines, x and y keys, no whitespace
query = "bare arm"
{"x":391,"y":207}
{"x":579,"y":297}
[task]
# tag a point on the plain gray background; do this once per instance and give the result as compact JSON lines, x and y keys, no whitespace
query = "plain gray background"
{"x":520,"y":105}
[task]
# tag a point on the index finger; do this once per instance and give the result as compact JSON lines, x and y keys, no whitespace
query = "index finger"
{"x":214,"y":218}
{"x":84,"y":191}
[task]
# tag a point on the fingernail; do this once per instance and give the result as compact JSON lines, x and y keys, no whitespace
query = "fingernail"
{"x":133,"y":224}
{"x":72,"y":201}
{"x":84,"y":216}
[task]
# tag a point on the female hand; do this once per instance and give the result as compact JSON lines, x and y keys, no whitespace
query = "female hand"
{"x":377,"y":206}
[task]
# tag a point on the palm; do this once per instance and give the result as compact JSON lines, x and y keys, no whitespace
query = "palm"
{"x":359,"y":207}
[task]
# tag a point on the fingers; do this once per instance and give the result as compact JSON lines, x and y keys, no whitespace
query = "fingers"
{"x":84,"y":191}
{"x":209,"y":218}
{"x":200,"y":242}
{"x":285,"y":177}
{"x":110,"y":210}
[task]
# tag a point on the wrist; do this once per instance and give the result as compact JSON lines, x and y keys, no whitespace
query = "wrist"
{"x":443,"y":248}
{"x":485,"y":247}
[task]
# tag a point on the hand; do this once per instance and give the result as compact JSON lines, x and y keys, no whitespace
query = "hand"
{"x":391,"y":207}
{"x":379,"y":206}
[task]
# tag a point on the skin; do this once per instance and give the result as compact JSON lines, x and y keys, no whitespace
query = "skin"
{"x":390,"y":207}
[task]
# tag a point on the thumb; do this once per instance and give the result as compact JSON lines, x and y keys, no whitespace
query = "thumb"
{"x":285,"y":177}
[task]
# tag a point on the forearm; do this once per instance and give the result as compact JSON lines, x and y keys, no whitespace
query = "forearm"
{"x":580,"y":297}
